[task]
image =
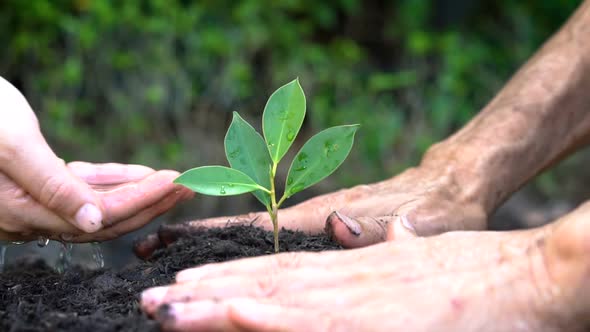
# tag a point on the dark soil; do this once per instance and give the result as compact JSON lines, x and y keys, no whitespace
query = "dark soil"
{"x":33,"y":297}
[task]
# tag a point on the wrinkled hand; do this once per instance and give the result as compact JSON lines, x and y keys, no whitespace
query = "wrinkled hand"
{"x":42,"y":196}
{"x":421,"y":201}
{"x":532,"y":280}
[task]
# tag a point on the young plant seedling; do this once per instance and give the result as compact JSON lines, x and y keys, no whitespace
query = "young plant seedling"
{"x":254,"y":159}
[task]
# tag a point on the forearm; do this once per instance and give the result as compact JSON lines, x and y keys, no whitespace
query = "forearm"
{"x":539,"y":117}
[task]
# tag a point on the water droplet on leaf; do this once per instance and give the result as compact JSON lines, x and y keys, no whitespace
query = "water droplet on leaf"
{"x":289,"y":180}
{"x":222,"y":190}
{"x":290,"y":136}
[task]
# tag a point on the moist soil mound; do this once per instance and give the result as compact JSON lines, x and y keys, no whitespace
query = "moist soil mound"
{"x":33,"y":297}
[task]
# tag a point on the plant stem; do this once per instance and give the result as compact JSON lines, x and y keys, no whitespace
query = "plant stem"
{"x":275,"y":226}
{"x":274,"y":210}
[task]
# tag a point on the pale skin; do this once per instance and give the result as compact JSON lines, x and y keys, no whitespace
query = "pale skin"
{"x":534,"y":280}
{"x":42,"y":196}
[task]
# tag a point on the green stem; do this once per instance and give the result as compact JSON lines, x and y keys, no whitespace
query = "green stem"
{"x":274,"y":210}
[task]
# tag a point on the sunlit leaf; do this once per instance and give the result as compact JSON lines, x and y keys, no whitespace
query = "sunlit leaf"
{"x":217,"y":181}
{"x":282,"y":118}
{"x":319,"y":157}
{"x":246,"y":151}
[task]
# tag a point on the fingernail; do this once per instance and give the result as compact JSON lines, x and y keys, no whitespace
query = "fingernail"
{"x":353,"y":226}
{"x":166,"y":314}
{"x":153,"y":297}
{"x":89,"y":217}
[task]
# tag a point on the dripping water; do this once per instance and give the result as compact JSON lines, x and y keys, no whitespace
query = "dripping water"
{"x":3,"y":247}
{"x":42,"y":242}
{"x":97,"y":255}
{"x":64,"y":259}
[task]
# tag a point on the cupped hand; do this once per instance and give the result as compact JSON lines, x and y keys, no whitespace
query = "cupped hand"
{"x":42,"y":196}
{"x":534,"y":280}
{"x":421,"y":201}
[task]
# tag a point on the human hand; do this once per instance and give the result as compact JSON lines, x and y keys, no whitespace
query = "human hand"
{"x":42,"y":196}
{"x":534,"y":280}
{"x":421,"y":201}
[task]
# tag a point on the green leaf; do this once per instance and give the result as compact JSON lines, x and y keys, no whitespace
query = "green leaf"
{"x":217,"y":181}
{"x":246,"y":151}
{"x":282,"y":118}
{"x":319,"y":157}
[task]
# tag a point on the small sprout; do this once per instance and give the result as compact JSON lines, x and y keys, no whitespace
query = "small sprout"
{"x":254,"y":159}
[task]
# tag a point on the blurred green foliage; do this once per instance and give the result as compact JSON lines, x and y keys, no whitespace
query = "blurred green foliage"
{"x":155,"y":81}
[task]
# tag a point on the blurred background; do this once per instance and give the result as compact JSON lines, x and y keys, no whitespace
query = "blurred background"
{"x":154,"y":82}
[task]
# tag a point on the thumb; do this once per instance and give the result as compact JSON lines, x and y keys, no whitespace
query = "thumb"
{"x":35,"y":168}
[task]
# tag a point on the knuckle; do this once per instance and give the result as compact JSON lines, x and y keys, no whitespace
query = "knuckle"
{"x":8,"y":151}
{"x":54,"y":191}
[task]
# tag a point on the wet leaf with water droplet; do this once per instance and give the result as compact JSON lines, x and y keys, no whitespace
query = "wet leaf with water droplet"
{"x":282,"y":118}
{"x":212,"y":180}
{"x":320,"y":157}
{"x":246,"y":151}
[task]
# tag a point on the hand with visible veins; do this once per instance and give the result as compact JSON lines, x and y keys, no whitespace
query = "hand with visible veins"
{"x":42,"y":196}
{"x":537,"y":119}
{"x":533,"y":280}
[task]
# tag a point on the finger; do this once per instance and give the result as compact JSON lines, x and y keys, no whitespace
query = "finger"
{"x":144,"y":247}
{"x":240,"y":315}
{"x":35,"y":168}
{"x":135,"y":222}
{"x":249,"y":315}
{"x":361,"y":231}
{"x":24,"y":218}
{"x":110,"y":173}
{"x":283,"y":284}
{"x":129,"y":199}
{"x":437,"y":217}
{"x":198,"y":316}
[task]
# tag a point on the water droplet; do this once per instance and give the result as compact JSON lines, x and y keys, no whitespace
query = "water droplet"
{"x":2,"y":255}
{"x":42,"y":241}
{"x":17,"y":242}
{"x":302,"y":157}
{"x":222,"y":190}
{"x":285,"y":115}
{"x":64,"y":259}
{"x":97,"y":255}
{"x":230,"y":185}
{"x":289,"y":181}
{"x":300,"y":168}
{"x":235,"y":153}
{"x":290,"y":136}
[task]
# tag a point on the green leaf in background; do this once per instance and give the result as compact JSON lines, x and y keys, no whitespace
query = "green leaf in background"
{"x":319,"y":157}
{"x":217,"y":181}
{"x":282,"y":118}
{"x":246,"y":151}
